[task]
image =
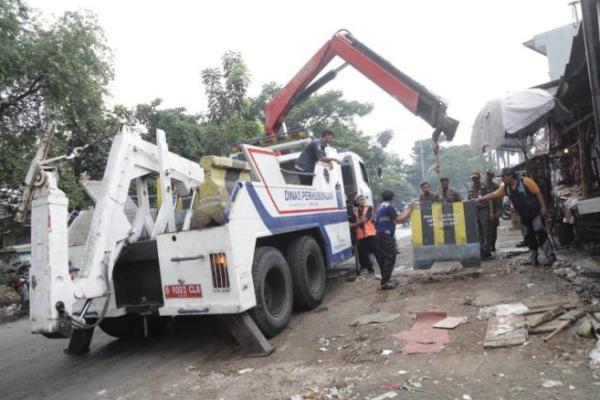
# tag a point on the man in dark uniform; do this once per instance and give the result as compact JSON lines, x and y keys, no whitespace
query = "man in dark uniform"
{"x":495,"y":208}
{"x":385,"y":241}
{"x":312,"y":153}
{"x":477,"y":190}
{"x":427,"y":195}
{"x":448,"y":194}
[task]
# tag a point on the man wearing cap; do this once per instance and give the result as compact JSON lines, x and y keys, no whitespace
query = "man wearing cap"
{"x":448,"y":194}
{"x":495,"y":208}
{"x":385,"y":240}
{"x":529,"y":202}
{"x":313,"y":152}
{"x":427,"y":195}
{"x":476,"y":191}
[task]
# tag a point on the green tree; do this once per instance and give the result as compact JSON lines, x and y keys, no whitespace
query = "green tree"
{"x":51,"y":73}
{"x":226,"y":88}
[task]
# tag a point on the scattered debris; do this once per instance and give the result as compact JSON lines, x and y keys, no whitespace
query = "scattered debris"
{"x":549,"y":384}
{"x":390,"y":386}
{"x":466,"y":397}
{"x":530,"y":285}
{"x":468,"y":300}
{"x":102,"y":392}
{"x":547,"y":316}
{"x":8,"y":296}
{"x":595,"y":355}
{"x":502,"y":310}
{"x":571,"y":321}
{"x":9,"y":311}
{"x":402,"y":372}
{"x":245,"y":371}
{"x":320,"y":309}
{"x":584,"y":329}
{"x":387,"y":395}
{"x":505,"y":331}
{"x":415,"y":384}
{"x":422,"y":338}
{"x":386,"y":352}
{"x":450,"y":322}
{"x":376,"y":318}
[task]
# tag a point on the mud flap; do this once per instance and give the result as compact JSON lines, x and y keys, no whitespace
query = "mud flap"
{"x":79,"y":343}
{"x":248,"y":335}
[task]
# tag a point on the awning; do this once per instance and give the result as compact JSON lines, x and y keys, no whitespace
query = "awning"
{"x":507,"y":121}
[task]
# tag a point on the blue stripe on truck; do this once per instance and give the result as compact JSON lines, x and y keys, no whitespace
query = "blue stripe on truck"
{"x":300,"y":222}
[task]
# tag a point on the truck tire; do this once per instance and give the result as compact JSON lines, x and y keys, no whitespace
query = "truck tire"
{"x":131,"y":326}
{"x":273,"y":289}
{"x":308,"y":272}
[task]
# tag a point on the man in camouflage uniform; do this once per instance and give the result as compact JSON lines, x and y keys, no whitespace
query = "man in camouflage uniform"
{"x":448,"y":194}
{"x":478,"y":189}
{"x":495,"y":209}
{"x":427,"y":195}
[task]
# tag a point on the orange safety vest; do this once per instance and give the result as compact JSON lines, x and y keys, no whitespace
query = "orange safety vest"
{"x":368,"y":228}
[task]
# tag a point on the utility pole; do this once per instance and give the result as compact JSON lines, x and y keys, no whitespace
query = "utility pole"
{"x":422,"y":162}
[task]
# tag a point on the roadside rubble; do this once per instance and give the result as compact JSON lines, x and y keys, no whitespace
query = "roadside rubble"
{"x":10,"y":304}
{"x":8,"y":296}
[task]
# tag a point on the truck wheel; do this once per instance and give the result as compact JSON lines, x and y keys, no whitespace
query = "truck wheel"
{"x":273,"y":288}
{"x":308,"y":272}
{"x":131,"y":326}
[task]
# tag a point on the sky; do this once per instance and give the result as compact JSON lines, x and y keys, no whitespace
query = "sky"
{"x":466,"y":52}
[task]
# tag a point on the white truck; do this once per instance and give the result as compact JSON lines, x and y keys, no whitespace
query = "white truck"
{"x":269,"y":253}
{"x":238,"y":236}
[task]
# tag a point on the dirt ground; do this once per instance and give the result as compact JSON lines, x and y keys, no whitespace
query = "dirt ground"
{"x":321,"y":356}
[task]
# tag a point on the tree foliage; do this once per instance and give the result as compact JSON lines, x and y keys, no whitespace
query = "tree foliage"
{"x":226,"y":88}
{"x":456,"y":163}
{"x":51,"y":73}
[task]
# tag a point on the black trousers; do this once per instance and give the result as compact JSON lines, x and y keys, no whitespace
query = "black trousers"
{"x":534,"y":232}
{"x":494,"y":223}
{"x":386,"y":256}
{"x":483,"y":225}
{"x":365,"y":249}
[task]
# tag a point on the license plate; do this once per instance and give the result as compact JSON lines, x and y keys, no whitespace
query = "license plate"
{"x":183,"y":291}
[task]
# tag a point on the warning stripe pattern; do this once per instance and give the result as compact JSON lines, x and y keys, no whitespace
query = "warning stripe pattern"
{"x":429,"y":227}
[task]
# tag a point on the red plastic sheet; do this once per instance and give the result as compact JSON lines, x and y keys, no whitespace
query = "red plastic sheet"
{"x":422,"y":337}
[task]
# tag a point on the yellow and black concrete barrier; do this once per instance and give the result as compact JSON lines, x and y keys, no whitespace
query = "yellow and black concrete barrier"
{"x":445,"y":232}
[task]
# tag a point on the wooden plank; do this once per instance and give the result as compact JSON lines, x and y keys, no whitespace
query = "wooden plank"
{"x":505,"y":331}
{"x":450,"y":322}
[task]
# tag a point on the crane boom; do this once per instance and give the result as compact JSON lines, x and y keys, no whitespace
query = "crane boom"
{"x":414,"y":96}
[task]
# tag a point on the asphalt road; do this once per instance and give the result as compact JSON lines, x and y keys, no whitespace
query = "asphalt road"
{"x":33,"y":367}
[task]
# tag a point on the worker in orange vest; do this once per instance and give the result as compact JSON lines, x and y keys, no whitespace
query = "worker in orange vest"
{"x":364,"y":225}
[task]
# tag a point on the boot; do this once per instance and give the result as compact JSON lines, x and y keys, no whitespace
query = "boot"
{"x":533,"y":258}
{"x":549,"y":257}
{"x":549,"y":261}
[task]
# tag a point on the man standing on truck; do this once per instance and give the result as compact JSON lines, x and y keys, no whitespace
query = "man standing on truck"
{"x":312,"y":153}
{"x":529,"y":202}
{"x":364,"y":226}
{"x":385,"y":240}
{"x":448,"y":194}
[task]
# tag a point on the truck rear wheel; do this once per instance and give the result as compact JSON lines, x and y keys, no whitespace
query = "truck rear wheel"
{"x":308,"y":272}
{"x":131,"y":326}
{"x":273,"y":288}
